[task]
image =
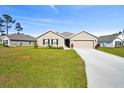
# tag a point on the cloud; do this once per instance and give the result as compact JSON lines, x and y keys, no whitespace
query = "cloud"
{"x":103,"y":32}
{"x":44,"y":21}
{"x":54,"y":8}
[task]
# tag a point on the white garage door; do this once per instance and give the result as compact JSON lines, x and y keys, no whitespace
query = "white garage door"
{"x":82,"y":44}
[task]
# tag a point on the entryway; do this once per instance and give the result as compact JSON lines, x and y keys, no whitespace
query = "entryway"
{"x":67,"y":43}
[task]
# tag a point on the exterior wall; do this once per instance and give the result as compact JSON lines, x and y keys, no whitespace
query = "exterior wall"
{"x":115,"y":41}
{"x":17,"y":43}
{"x":21,"y":43}
{"x":6,"y":38}
{"x":50,"y":35}
{"x":106,"y":44}
{"x":84,"y":36}
{"x":121,"y":36}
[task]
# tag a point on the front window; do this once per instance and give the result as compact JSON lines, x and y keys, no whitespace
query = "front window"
{"x":54,"y":41}
{"x":45,"y":41}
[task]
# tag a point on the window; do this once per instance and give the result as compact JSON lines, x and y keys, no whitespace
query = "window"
{"x":118,"y":44}
{"x":0,"y":41}
{"x":123,"y":43}
{"x":45,"y":41}
{"x":5,"y":42}
{"x":29,"y":42}
{"x":54,"y":41}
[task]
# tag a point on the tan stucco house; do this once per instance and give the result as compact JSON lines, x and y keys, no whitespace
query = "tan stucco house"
{"x":66,"y":39}
{"x":83,"y":40}
{"x":51,"y":38}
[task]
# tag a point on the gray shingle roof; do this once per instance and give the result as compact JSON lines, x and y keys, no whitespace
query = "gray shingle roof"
{"x":21,"y":37}
{"x":107,"y":38}
{"x":1,"y":37}
{"x":67,"y":34}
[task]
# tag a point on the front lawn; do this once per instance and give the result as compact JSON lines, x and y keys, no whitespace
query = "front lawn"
{"x":44,"y":68}
{"x":1,"y":46}
{"x":115,"y":51}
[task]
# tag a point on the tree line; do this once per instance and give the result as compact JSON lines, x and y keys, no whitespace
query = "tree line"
{"x":7,"y":22}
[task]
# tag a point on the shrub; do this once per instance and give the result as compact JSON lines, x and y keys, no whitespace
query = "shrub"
{"x":49,"y":46}
{"x":97,"y":46}
{"x":56,"y":47}
{"x":52,"y":47}
{"x":5,"y":45}
{"x":35,"y":45}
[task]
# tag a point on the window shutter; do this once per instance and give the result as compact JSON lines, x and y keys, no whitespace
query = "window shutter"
{"x":43,"y":41}
{"x":57,"y":41}
{"x":51,"y":41}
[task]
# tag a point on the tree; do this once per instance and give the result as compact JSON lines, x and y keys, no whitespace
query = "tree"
{"x":1,"y":27}
{"x":8,"y":21}
{"x":119,"y":32}
{"x":18,"y":27}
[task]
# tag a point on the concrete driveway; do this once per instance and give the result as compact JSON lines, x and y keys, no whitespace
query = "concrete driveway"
{"x":103,"y":70}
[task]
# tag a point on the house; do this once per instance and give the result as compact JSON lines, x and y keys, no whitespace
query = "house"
{"x":83,"y":40}
{"x":114,"y":40}
{"x":67,"y":34}
{"x":66,"y":39}
{"x":0,"y":40}
{"x":1,"y":37}
{"x":13,"y":40}
{"x":51,"y":38}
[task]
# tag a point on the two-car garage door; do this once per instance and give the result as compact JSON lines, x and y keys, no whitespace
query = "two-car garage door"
{"x":83,"y":43}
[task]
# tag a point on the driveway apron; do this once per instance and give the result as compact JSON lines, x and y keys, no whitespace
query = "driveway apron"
{"x":103,"y":70}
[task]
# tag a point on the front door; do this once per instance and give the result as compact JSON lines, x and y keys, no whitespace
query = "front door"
{"x":67,"y":42}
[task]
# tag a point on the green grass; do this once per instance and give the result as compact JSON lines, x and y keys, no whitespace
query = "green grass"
{"x":45,"y":68}
{"x":1,"y":46}
{"x":115,"y":51}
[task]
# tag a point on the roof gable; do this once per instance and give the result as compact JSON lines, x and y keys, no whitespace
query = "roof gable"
{"x":121,"y":36}
{"x":82,"y":32}
{"x":51,"y":32}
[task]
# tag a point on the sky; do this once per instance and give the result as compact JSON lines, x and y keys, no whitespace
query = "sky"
{"x":95,"y":19}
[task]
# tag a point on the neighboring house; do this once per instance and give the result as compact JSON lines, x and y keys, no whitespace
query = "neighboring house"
{"x":111,"y":40}
{"x":13,"y":40}
{"x":0,"y":40}
{"x":66,"y":39}
{"x":1,"y":37}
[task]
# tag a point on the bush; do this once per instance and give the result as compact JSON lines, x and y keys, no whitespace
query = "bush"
{"x":56,"y":47}
{"x":51,"y":47}
{"x":35,"y":45}
{"x":5,"y":45}
{"x":97,"y":46}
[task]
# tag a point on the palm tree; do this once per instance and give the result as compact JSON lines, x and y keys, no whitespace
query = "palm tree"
{"x":1,"y":27}
{"x":8,"y":21}
{"x":18,"y":27}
